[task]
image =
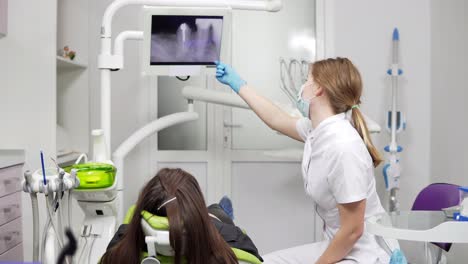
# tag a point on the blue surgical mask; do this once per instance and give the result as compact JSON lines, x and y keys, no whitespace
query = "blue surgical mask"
{"x":303,"y":105}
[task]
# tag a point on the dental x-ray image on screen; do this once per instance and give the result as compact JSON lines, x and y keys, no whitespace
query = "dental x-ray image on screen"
{"x":185,"y":40}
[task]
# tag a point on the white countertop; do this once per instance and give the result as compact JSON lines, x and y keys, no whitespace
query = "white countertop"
{"x":425,"y":226}
{"x":11,"y":157}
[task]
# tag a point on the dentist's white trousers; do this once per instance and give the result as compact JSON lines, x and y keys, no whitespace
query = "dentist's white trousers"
{"x":310,"y":253}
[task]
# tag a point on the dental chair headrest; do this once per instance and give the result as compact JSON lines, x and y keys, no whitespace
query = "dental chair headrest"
{"x":158,"y":226}
{"x":155,"y":221}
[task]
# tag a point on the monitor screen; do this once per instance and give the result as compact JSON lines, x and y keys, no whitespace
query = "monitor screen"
{"x":185,"y":40}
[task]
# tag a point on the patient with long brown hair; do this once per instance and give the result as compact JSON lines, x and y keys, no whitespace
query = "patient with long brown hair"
{"x":198,"y":234}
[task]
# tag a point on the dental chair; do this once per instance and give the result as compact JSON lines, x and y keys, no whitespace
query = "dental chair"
{"x":156,"y":230}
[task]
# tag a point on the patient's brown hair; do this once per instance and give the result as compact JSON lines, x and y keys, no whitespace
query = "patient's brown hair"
{"x":192,"y":234}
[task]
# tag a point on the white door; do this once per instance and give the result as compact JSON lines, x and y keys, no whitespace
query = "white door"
{"x":268,"y":193}
{"x":190,"y":146}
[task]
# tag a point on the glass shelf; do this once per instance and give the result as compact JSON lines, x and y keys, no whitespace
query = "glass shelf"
{"x":67,"y":64}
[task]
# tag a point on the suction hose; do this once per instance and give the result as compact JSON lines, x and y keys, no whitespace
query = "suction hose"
{"x":35,"y":212}
{"x":51,"y":217}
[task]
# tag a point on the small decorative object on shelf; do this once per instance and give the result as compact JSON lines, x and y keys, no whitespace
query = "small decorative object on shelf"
{"x":67,"y":53}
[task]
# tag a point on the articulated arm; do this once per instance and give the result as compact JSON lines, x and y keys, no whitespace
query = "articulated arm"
{"x":256,"y":5}
{"x":106,"y":41}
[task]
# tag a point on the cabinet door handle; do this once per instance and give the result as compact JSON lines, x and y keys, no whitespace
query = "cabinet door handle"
{"x":10,"y":236}
{"x":10,"y":208}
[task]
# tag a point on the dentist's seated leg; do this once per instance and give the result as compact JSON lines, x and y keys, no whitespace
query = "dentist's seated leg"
{"x":309,"y":253}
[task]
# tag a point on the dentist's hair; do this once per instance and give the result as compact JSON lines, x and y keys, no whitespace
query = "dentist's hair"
{"x":342,"y":83}
{"x":192,"y":235}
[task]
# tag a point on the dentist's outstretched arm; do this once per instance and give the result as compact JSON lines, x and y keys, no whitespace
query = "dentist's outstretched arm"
{"x":269,"y":113}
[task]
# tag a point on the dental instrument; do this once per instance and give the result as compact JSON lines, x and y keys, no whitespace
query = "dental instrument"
{"x":292,"y":75}
{"x":462,"y":214}
{"x":43,"y":168}
{"x":52,"y":182}
{"x":396,"y":124}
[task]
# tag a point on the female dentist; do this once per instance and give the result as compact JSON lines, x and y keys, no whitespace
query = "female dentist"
{"x":338,"y":163}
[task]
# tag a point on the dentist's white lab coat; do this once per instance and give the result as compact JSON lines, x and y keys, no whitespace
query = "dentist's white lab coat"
{"x":337,"y":169}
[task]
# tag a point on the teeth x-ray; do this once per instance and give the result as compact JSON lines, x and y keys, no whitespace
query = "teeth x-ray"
{"x":185,"y":40}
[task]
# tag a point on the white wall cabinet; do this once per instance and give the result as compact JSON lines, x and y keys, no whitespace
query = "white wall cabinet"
{"x":11,"y":168}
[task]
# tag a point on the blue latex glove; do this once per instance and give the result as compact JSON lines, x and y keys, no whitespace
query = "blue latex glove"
{"x":227,"y":75}
{"x":398,"y":257}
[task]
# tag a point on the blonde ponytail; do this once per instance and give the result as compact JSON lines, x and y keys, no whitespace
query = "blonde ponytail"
{"x":361,"y":127}
{"x":342,"y":83}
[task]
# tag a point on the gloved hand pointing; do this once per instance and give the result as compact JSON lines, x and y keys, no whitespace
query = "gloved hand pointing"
{"x":227,"y":75}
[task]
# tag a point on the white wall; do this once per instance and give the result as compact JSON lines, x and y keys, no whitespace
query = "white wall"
{"x":27,"y":88}
{"x":449,"y":89}
{"x":73,"y":131}
{"x":362,"y":31}
{"x":27,"y":74}
{"x":449,"y":92}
